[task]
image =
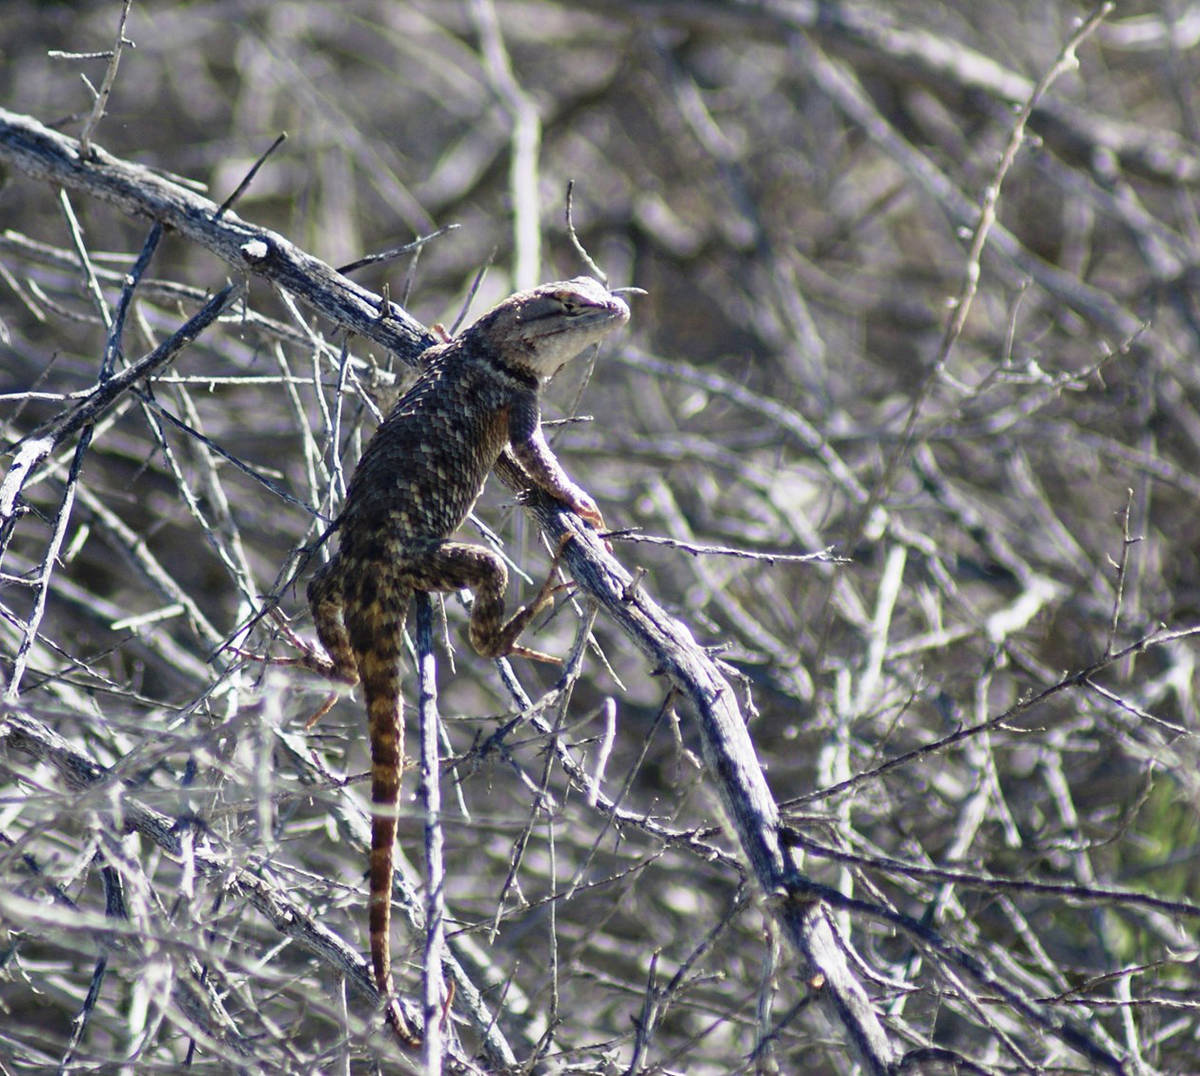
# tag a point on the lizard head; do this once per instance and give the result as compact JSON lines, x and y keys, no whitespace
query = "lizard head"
{"x":547,"y":326}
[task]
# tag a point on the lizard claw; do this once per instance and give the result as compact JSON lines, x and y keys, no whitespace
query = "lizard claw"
{"x":519,"y":651}
{"x":310,"y":660}
{"x":308,"y":656}
{"x":544,"y":597}
{"x":590,"y":514}
{"x":322,"y":710}
{"x":587,"y":509}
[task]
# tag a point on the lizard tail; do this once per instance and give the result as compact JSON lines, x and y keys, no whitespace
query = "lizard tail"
{"x":379,"y":667}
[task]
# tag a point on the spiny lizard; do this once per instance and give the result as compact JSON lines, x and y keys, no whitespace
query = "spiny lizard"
{"x":417,"y":480}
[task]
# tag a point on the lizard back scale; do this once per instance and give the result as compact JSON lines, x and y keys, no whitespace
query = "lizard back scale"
{"x":417,"y":480}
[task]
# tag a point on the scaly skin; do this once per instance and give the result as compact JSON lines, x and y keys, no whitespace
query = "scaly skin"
{"x":415,"y":484}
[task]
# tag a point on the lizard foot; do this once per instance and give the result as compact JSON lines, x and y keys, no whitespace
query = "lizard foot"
{"x":309,"y":657}
{"x":310,"y":660}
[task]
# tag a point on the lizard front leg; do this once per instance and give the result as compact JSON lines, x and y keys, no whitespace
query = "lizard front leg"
{"x":538,"y":461}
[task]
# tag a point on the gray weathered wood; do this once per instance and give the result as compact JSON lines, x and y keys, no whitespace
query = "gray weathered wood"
{"x":44,"y":154}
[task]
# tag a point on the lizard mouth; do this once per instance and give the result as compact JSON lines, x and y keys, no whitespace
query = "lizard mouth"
{"x":597,"y":321}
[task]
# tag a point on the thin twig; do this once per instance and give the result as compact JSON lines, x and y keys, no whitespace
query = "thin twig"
{"x":248,"y":178}
{"x":699,"y":549}
{"x":982,"y":230}
{"x":1080,"y":678}
{"x":433,"y":986}
{"x":106,"y":85}
{"x":1122,"y":566}
{"x":584,"y":256}
{"x":397,"y":252}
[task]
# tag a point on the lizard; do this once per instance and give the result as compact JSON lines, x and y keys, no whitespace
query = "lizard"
{"x":476,"y":398}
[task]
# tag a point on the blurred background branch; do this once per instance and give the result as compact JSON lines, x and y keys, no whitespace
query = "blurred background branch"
{"x":988,"y":680}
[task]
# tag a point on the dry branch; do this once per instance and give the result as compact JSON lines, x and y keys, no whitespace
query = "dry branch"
{"x":733,"y":767}
{"x":997,"y":850}
{"x":44,"y":154}
{"x":210,"y":858}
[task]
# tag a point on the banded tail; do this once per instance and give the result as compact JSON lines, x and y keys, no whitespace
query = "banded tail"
{"x":379,"y":668}
{"x":363,"y":640}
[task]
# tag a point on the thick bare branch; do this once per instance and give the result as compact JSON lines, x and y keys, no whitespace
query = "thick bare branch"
{"x":731,"y":761}
{"x":44,"y":154}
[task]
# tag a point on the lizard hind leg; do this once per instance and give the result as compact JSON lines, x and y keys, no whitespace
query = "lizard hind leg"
{"x":326,"y":600}
{"x":455,"y":565}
